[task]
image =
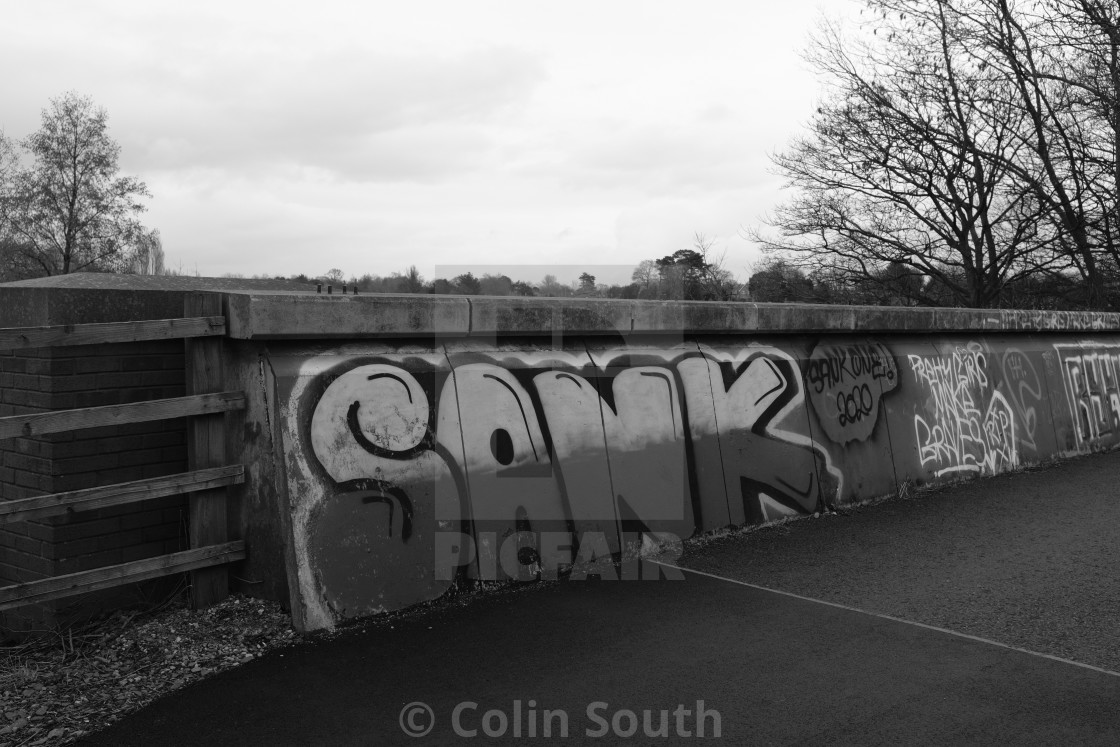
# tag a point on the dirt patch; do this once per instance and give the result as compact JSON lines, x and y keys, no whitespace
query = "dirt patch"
{"x":55,"y":690}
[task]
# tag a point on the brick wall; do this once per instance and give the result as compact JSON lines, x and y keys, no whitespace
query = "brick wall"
{"x":87,"y":376}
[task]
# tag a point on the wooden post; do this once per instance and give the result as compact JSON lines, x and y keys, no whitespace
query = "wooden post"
{"x":206,"y":447}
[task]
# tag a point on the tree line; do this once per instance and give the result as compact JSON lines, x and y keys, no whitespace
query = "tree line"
{"x":964,"y":153}
{"x":693,"y":274}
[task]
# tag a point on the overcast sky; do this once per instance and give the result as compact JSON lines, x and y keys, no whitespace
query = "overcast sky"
{"x":284,"y":138}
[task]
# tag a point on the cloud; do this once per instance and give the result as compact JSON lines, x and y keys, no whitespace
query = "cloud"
{"x":288,"y":137}
{"x":358,"y":116}
{"x":659,"y":159}
{"x":258,"y":90}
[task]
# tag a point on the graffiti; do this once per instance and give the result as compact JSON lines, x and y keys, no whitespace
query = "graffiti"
{"x":377,"y":423}
{"x":846,"y":382}
{"x":409,"y":472}
{"x":960,"y":435}
{"x":611,"y":446}
{"x":1058,"y":320}
{"x":1091,"y":375}
{"x":769,"y":472}
{"x":1024,"y":389}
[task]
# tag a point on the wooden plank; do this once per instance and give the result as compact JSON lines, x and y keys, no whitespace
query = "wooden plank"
{"x":33,"y":592}
{"x":137,"y":412}
{"x":208,"y":519}
{"x":12,"y":338}
{"x":60,"y":504}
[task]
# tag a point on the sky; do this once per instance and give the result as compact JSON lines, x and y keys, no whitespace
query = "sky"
{"x":534,"y":137}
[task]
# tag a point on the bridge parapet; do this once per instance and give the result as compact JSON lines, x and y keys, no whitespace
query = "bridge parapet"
{"x":396,"y":446}
{"x":285,"y":315}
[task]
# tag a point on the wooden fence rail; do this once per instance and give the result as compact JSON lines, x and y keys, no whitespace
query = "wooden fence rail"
{"x":58,"y":421}
{"x":205,"y":405}
{"x":14,"y":338}
{"x":115,"y":575}
{"x":60,"y":504}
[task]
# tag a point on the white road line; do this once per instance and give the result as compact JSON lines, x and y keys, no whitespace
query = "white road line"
{"x":837,"y":605}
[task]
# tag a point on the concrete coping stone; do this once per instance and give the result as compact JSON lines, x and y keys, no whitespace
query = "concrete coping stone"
{"x":256,"y":313}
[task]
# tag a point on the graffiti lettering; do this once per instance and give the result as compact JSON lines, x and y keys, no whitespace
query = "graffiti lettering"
{"x":855,"y":405}
{"x":410,"y":468}
{"x":507,"y":456}
{"x":1063,"y":320}
{"x":768,"y":472}
{"x":1091,"y":374}
{"x":631,"y":448}
{"x":946,"y":375}
{"x":837,"y":364}
{"x":958,"y":436}
{"x":846,"y":382}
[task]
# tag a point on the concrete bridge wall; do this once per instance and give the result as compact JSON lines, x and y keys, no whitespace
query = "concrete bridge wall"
{"x":495,"y":439}
{"x":395,"y":445}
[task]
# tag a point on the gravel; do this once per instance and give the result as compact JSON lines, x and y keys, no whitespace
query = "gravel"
{"x":55,"y":690}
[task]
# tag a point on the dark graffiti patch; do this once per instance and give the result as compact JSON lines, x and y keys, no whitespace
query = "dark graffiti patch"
{"x":846,"y":381}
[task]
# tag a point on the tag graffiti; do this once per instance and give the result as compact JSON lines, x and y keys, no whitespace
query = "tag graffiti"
{"x":958,"y":433}
{"x":846,"y":383}
{"x":1090,"y":373}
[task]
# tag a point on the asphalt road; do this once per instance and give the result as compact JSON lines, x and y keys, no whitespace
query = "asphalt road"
{"x":1026,"y":560}
{"x":1031,"y":558}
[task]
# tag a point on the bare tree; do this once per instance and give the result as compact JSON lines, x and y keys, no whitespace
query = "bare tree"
{"x":550,"y":287}
{"x":773,"y":280}
{"x":907,"y":164}
{"x":71,"y":210}
{"x":412,"y":281}
{"x":148,"y":257}
{"x":716,"y":282}
{"x":11,"y":260}
{"x":1062,"y":59}
{"x":646,"y":276}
